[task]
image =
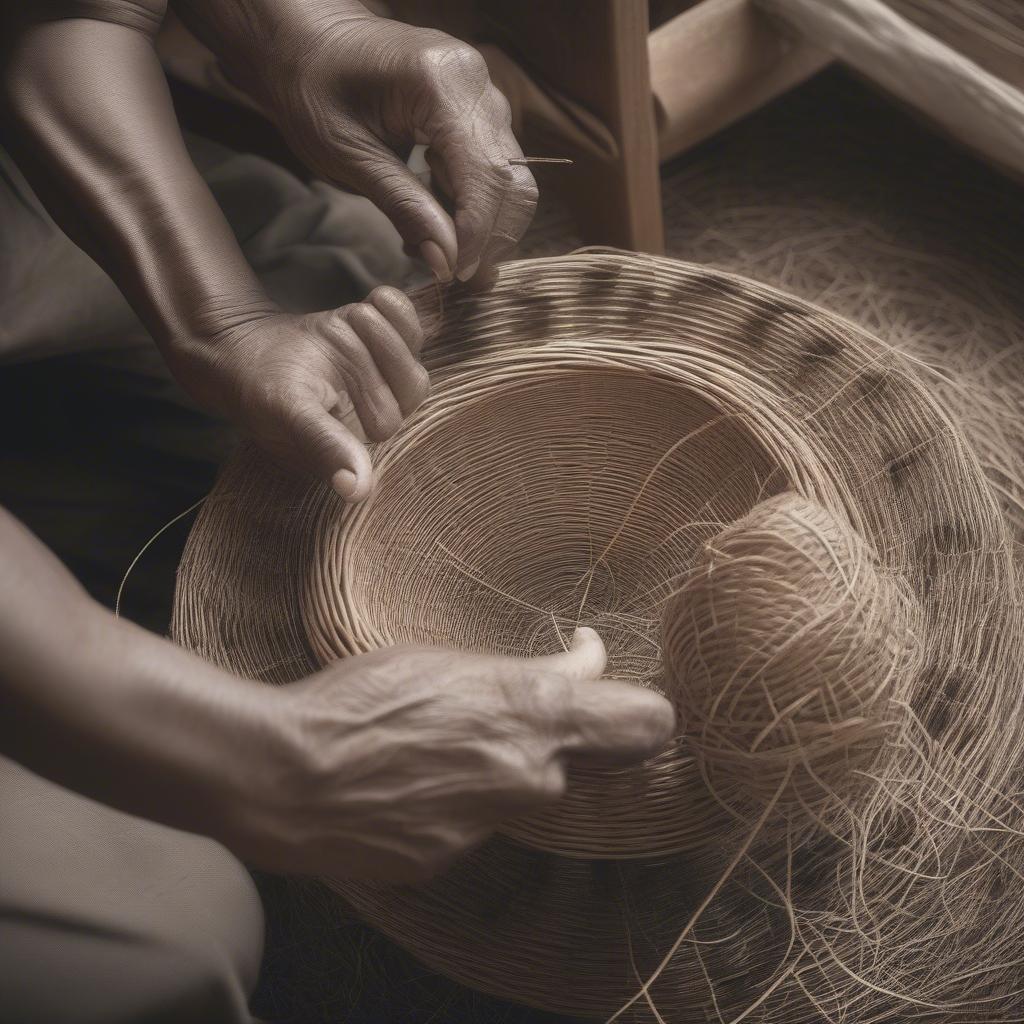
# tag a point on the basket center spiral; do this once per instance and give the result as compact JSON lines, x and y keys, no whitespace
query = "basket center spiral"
{"x":576,"y":498}
{"x":573,"y":495}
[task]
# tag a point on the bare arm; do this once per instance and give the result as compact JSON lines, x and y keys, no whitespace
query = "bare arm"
{"x":93,"y":126}
{"x":89,"y":119}
{"x":385,"y":766}
{"x":113,"y":711}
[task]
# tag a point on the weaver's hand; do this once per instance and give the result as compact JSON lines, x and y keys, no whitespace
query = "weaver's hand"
{"x":310,"y":388}
{"x":381,"y":767}
{"x":404,"y":758}
{"x":353,"y":92}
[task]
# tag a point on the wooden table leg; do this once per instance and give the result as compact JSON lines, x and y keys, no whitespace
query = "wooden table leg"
{"x":593,"y":55}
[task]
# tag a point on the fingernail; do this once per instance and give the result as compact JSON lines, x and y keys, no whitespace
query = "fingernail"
{"x":344,"y":482}
{"x":435,"y":259}
{"x":468,"y":271}
{"x":581,"y":637}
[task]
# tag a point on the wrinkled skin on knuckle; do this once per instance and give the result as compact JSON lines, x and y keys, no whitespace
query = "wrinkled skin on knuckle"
{"x":446,"y":65}
{"x":348,"y":353}
{"x":377,"y":409}
{"x":547,"y":698}
{"x":499,"y":108}
{"x":396,"y":304}
{"x":369,"y":322}
{"x":386,"y":293}
{"x":385,"y":416}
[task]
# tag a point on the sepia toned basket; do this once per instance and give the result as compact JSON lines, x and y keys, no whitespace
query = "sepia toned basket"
{"x":766,"y":515}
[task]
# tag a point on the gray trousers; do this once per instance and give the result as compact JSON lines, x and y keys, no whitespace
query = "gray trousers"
{"x":106,"y":918}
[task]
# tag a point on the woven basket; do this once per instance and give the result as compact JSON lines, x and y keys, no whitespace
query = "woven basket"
{"x":603,"y":426}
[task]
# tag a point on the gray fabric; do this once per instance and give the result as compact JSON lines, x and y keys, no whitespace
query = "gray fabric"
{"x":109,"y":919}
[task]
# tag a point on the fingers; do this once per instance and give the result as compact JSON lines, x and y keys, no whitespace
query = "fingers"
{"x":589,"y":715}
{"x":358,"y":377}
{"x":467,"y":125}
{"x":604,"y":718}
{"x":617,"y":720}
{"x":330,"y":450}
{"x":371,"y":347}
{"x":418,"y":217}
{"x":390,"y":349}
{"x":494,"y":201}
{"x":401,"y":313}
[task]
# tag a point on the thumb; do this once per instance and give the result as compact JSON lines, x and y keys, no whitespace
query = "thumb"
{"x":601,"y":717}
{"x":585,"y":658}
{"x":330,"y":450}
{"x":418,"y":217}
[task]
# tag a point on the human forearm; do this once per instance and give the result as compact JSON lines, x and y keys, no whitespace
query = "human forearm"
{"x":119,"y":714}
{"x":384,"y":766}
{"x":90,"y":120}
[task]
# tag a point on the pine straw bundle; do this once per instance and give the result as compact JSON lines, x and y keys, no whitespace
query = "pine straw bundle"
{"x":674,"y":454}
{"x":790,"y":655}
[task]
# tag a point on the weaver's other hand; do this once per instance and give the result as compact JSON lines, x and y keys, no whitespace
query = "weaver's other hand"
{"x":311,"y":388}
{"x":353,"y":92}
{"x":400,"y":760}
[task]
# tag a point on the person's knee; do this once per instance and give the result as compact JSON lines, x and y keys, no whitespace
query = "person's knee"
{"x":204,"y":950}
{"x":108,"y":918}
{"x":57,"y":971}
{"x":213,"y":912}
{"x":195,"y":983}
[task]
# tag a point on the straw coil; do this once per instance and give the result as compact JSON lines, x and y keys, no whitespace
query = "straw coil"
{"x":768,"y":516}
{"x":789,"y":653}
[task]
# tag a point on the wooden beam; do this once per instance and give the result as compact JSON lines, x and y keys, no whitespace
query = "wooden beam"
{"x":718,"y":62}
{"x":593,"y":55}
{"x":971,"y":104}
